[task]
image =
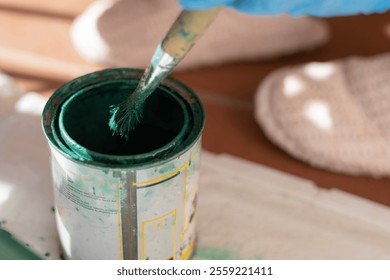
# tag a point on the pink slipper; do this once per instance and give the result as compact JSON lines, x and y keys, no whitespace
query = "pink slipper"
{"x":332,"y":115}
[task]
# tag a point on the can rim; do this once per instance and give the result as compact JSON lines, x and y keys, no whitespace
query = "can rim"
{"x":89,"y":154}
{"x":52,"y":108}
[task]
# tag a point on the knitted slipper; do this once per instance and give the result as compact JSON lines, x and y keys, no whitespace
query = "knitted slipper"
{"x":126,"y":32}
{"x":332,"y":115}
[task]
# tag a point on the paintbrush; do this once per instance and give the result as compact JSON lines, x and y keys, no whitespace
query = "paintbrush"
{"x":182,"y":35}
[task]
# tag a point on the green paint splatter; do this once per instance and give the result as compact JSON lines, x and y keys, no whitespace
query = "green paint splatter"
{"x":168,"y":168}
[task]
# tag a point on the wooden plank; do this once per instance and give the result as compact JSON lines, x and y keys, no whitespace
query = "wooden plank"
{"x":69,"y":8}
{"x":39,"y":46}
{"x":33,"y":64}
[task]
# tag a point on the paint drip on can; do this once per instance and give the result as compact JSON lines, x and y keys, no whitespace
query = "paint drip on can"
{"x":118,"y":199}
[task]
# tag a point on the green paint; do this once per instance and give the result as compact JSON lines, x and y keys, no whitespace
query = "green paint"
{"x":210,"y":253}
{"x":126,"y":116}
{"x":83,"y":123}
{"x":168,"y":168}
{"x":214,"y":253}
{"x":12,"y":249}
{"x":75,"y":121}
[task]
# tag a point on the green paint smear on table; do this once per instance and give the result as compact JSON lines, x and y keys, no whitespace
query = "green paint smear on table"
{"x":85,"y":121}
{"x":11,"y":249}
{"x":224,"y":253}
{"x":210,"y":253}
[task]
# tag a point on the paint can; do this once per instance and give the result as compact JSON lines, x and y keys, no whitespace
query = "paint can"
{"x":124,"y":200}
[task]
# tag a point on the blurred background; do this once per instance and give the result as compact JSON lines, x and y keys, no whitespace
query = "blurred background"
{"x":37,"y":51}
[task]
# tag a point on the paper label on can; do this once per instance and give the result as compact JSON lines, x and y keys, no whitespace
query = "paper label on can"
{"x":139,"y":214}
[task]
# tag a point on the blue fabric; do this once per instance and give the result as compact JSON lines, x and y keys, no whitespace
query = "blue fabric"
{"x":320,"y":8}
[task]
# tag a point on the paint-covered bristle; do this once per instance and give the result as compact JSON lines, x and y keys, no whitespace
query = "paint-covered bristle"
{"x":126,"y":116}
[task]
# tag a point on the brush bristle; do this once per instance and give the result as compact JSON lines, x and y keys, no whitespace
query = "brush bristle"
{"x":126,"y":116}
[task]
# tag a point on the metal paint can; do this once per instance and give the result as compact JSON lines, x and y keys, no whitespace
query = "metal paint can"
{"x":121,"y":203}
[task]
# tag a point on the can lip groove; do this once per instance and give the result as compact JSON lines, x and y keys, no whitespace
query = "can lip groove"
{"x":90,"y":154}
{"x":52,"y":121}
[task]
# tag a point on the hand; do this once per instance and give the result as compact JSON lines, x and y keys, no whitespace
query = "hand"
{"x":320,"y":8}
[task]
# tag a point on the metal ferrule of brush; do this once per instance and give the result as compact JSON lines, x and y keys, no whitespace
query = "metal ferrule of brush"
{"x":161,"y":66}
